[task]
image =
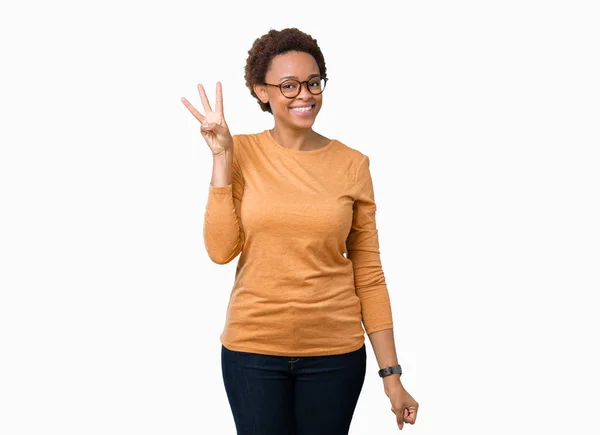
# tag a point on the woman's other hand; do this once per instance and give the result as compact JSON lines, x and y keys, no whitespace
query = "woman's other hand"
{"x":403,"y":405}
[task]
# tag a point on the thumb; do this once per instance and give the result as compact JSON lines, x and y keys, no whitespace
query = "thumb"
{"x":409,"y":417}
{"x":215,"y":128}
{"x":220,"y":129}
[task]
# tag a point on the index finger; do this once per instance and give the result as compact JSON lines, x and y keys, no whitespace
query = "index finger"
{"x":204,"y":99}
{"x":400,"y":418}
{"x":193,"y":110}
{"x":219,"y":99}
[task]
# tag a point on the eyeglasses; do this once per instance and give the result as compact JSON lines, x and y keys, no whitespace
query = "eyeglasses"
{"x":291,"y":88}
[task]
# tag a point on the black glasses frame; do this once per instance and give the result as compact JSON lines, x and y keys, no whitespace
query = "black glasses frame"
{"x":300,"y":85}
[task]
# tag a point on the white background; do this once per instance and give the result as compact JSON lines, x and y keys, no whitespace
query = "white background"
{"x":481,"y":120}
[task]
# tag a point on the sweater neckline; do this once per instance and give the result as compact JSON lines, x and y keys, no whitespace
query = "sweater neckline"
{"x":272,"y":141}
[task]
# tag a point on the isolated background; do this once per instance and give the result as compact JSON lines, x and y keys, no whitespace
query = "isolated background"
{"x":481,"y":120}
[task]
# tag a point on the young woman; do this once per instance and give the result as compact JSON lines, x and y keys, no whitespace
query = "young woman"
{"x":300,"y":209}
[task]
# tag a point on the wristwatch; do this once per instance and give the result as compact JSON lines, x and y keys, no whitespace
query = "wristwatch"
{"x":390,"y":371}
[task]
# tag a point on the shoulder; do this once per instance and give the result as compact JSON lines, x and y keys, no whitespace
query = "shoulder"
{"x":355,"y":158}
{"x":245,"y":145}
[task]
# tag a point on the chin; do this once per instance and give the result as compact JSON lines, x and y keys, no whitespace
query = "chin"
{"x":307,"y":124}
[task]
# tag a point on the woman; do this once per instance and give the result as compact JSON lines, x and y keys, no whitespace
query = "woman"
{"x":300,"y":209}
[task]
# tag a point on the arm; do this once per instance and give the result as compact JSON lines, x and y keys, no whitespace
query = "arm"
{"x":363,"y":250}
{"x":223,"y":231}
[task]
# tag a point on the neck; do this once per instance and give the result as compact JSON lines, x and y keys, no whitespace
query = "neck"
{"x":294,"y":138}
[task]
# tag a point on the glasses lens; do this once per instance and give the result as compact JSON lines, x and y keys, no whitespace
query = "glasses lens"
{"x":290,"y":88}
{"x":316,"y":85}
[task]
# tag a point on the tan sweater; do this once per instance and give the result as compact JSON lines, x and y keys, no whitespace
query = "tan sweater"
{"x":309,"y":270}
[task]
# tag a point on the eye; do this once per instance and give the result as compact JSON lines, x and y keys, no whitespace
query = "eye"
{"x":288,"y":85}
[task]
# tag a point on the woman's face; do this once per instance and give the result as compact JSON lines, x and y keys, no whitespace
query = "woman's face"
{"x":291,"y":65}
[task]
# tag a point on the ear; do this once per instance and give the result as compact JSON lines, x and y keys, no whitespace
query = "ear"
{"x":261,"y":92}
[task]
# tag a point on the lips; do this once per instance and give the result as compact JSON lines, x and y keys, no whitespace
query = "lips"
{"x":302,"y":110}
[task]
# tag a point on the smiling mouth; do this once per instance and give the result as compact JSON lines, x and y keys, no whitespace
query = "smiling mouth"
{"x":306,"y":109}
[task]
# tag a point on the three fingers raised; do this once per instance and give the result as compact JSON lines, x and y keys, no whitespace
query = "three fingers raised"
{"x":205,"y":102}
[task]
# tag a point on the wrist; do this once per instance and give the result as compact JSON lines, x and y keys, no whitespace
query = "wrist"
{"x":392,"y":382}
{"x":222,"y":169}
{"x":223,"y":156}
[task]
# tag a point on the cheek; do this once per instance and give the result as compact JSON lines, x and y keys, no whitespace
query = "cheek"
{"x":279,"y":107}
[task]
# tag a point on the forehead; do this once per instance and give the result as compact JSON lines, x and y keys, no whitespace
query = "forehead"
{"x":292,"y":64}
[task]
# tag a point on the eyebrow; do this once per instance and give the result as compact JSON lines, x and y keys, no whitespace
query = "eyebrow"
{"x":294,"y":77}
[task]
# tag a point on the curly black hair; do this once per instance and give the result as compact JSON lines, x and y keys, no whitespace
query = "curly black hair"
{"x":270,"y":45}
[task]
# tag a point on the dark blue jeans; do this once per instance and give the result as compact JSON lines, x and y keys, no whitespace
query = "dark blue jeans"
{"x":280,"y":395}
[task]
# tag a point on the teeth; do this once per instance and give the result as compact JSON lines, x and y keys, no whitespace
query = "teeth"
{"x":301,"y":109}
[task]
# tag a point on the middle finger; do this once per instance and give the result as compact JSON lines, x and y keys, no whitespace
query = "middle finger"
{"x":205,"y":102}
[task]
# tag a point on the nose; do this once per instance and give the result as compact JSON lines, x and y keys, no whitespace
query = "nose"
{"x":304,"y":92}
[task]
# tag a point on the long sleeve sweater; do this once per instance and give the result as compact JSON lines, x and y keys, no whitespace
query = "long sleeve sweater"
{"x":309,"y":274}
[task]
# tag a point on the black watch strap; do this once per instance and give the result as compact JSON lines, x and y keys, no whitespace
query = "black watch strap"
{"x":390,"y":371}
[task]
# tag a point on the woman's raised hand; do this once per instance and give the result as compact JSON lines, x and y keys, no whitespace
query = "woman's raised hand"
{"x":213,"y":127}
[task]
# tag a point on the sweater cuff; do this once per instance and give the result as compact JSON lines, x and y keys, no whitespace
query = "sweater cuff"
{"x":215,"y":190}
